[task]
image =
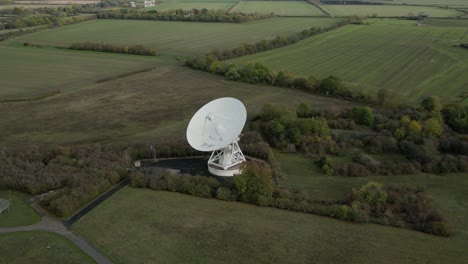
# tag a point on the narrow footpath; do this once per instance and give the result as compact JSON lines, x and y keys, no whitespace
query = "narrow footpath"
{"x":51,"y":224}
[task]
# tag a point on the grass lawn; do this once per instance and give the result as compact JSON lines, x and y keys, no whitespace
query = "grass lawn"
{"x":151,"y":107}
{"x":442,"y":3}
{"x":190,"y":6}
{"x":448,"y":191}
{"x":20,"y":213}
{"x":141,"y":225}
{"x":280,"y":8}
{"x":39,"y":247}
{"x":446,"y":22}
{"x":176,"y":38}
{"x":388,"y":10}
{"x":413,"y":62}
{"x":29,"y":72}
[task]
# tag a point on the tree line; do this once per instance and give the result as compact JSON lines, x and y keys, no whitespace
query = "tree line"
{"x":278,"y":42}
{"x":259,"y":73}
{"x":194,"y":15}
{"x":104,"y":47}
{"x":61,"y":22}
{"x":399,"y":206}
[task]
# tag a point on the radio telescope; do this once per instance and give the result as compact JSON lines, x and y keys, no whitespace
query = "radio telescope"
{"x":216,"y":127}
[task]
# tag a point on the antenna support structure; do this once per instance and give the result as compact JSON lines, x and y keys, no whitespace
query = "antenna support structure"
{"x":216,"y":128}
{"x":226,"y":162}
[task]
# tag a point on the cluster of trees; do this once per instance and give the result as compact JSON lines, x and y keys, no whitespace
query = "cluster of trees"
{"x":419,"y":137}
{"x":20,"y":17}
{"x":103,"y":47}
{"x":42,"y":20}
{"x":195,"y":15}
{"x":278,"y":42}
{"x":68,"y":177}
{"x":397,"y":206}
{"x":455,"y":115}
{"x":282,"y":127}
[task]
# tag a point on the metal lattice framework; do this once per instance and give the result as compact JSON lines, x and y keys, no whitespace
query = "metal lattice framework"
{"x":4,"y":205}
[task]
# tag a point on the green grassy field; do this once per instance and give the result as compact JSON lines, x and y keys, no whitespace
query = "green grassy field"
{"x":140,"y":225}
{"x":446,"y":22}
{"x":20,"y":213}
{"x":280,"y":8}
{"x":176,"y":38}
{"x":423,"y":2}
{"x":414,"y":62}
{"x":29,"y":72}
{"x":190,"y":6}
{"x":448,"y":191}
{"x":30,"y":6}
{"x":387,"y":10}
{"x":149,"y":107}
{"x":39,"y":247}
{"x":203,"y":1}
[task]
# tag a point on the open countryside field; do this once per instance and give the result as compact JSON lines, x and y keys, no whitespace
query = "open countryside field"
{"x":448,"y":191}
{"x":423,"y":2}
{"x":175,"y":38}
{"x":388,"y":10}
{"x":203,"y":1}
{"x":190,"y":6}
{"x":39,"y":247}
{"x":148,"y":107}
{"x":22,"y":80}
{"x":177,"y":228}
{"x":20,"y":213}
{"x":446,"y":22}
{"x":414,"y":62}
{"x":280,"y":8}
{"x":29,"y":6}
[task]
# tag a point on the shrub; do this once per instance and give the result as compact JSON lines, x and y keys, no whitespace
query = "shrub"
{"x":254,"y":185}
{"x":362,"y":116}
{"x":223,"y":193}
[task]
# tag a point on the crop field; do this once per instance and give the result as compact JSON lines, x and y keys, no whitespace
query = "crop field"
{"x":29,"y":80}
{"x":446,"y":22}
{"x":280,"y":8}
{"x":388,"y":10}
{"x":413,"y":62}
{"x":178,"y":228}
{"x":204,"y":1}
{"x":190,"y":6}
{"x":39,"y":247}
{"x":29,"y":6}
{"x":423,"y":2}
{"x":20,"y":213}
{"x":175,"y":38}
{"x":149,"y":107}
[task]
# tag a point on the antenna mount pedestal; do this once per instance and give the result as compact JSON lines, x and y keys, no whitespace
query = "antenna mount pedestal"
{"x":226,"y":162}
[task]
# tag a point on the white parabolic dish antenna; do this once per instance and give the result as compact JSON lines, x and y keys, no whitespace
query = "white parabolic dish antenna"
{"x":216,"y":127}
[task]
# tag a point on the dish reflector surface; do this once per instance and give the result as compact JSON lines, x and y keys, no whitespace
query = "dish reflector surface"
{"x":216,"y":124}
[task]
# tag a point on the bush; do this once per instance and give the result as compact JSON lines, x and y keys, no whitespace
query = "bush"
{"x":223,"y":193}
{"x":254,"y":185}
{"x":362,"y":116}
